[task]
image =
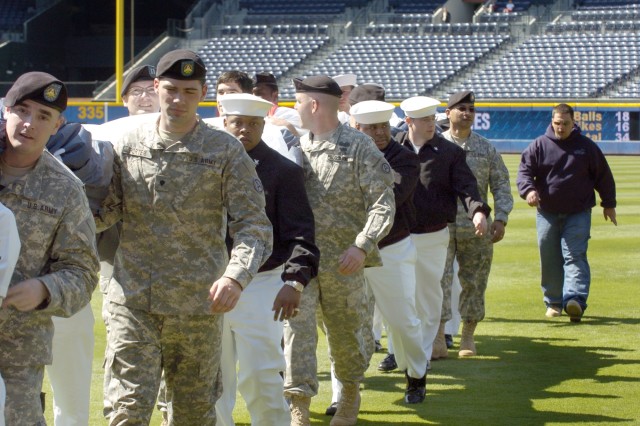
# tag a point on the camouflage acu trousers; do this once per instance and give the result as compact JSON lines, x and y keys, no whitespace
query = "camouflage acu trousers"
{"x":140,"y":346}
{"x":345,"y":311}
{"x":23,"y":406}
{"x":474,"y":256}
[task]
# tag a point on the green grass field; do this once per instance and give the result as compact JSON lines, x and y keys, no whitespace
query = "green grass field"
{"x":530,"y":370}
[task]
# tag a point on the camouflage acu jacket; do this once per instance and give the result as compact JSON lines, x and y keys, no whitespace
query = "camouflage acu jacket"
{"x":350,"y":189}
{"x":57,"y":234}
{"x":173,"y":203}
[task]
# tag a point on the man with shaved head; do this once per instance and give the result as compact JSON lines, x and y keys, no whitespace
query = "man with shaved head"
{"x":349,"y":184}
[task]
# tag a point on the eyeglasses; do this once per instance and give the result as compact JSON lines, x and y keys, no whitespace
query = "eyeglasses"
{"x":466,"y":109}
{"x":139,"y":91}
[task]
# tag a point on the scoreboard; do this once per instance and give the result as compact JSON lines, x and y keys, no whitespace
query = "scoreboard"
{"x":599,"y":125}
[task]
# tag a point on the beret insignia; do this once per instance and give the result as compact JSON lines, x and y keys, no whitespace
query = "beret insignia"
{"x":187,"y":68}
{"x":52,"y":91}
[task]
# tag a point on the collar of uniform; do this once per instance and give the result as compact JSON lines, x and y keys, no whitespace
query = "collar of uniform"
{"x":319,"y":145}
{"x":190,"y":142}
{"x":259,"y":152}
{"x":33,"y":181}
{"x":403,"y":139}
{"x":468,"y":145}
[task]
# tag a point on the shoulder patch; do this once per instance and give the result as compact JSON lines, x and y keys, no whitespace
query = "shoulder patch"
{"x":386,"y":168}
{"x":258,"y":185}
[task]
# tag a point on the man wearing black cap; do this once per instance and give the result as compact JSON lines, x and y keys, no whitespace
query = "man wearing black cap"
{"x":138,"y":93}
{"x":178,"y":178}
{"x":58,"y":267}
{"x":265,"y":86}
{"x":474,"y":252}
{"x":349,"y":184}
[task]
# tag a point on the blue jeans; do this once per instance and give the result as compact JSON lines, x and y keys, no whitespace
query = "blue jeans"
{"x":563,"y":241}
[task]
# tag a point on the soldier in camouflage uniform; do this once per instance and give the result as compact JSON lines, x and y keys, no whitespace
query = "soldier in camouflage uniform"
{"x":57,"y":270}
{"x":474,"y":254}
{"x":349,"y":184}
{"x":174,"y":183}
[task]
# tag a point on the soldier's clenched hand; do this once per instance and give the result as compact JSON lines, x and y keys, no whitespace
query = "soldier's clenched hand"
{"x":480,"y":223}
{"x":26,"y":295}
{"x":352,"y":260}
{"x":224,"y":295}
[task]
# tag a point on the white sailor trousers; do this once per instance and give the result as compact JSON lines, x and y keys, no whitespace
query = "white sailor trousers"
{"x":251,"y":340}
{"x":394,"y":288}
{"x":432,"y":255}
{"x":71,"y":370}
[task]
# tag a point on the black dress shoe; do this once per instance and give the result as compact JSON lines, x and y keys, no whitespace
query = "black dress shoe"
{"x":331,"y":410}
{"x":449,"y":340}
{"x":416,"y":389}
{"x":378,"y":346}
{"x":388,"y":364}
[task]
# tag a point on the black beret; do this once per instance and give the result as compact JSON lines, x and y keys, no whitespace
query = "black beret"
{"x":181,"y":64}
{"x":265,"y":78}
{"x":466,"y":96}
{"x":141,"y":73}
{"x":366,"y":92}
{"x":38,"y":87}
{"x":318,"y":83}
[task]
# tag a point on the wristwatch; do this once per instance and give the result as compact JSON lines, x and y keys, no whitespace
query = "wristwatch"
{"x":295,"y":284}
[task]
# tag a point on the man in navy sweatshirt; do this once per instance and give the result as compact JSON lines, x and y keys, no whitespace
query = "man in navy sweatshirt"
{"x":558,"y":174}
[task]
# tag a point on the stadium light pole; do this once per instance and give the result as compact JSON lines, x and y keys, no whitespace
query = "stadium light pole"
{"x":132,"y":30}
{"x":119,"y":47}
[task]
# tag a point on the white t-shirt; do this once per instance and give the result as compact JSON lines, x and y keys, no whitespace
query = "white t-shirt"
{"x":9,"y":248}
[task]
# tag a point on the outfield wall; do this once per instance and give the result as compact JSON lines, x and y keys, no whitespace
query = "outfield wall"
{"x":511,"y":127}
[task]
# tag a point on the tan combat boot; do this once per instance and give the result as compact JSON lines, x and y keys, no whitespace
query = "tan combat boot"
{"x":440,"y":345}
{"x":467,"y":345}
{"x":348,"y":406}
{"x":300,"y":410}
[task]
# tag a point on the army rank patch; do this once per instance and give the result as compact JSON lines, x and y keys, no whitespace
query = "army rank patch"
{"x":258,"y":185}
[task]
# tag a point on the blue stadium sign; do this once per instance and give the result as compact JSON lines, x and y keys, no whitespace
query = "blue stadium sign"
{"x":511,"y":127}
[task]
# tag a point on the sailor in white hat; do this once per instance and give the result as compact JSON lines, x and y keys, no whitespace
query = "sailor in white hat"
{"x":253,"y":331}
{"x":444,"y":177}
{"x":394,"y":283}
{"x":346,"y":82}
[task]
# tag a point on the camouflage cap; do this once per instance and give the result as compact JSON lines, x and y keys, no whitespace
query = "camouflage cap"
{"x":465,"y":96}
{"x":317,"y":83}
{"x":141,"y":73}
{"x":367,"y":92}
{"x":181,"y":64}
{"x":38,"y":87}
